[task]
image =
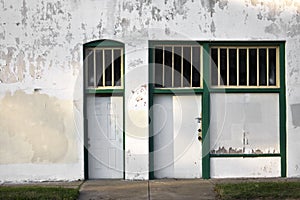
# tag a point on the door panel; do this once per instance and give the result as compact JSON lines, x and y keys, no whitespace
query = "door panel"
{"x":105,"y":137}
{"x":177,"y":151}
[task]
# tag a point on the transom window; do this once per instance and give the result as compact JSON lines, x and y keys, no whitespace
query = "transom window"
{"x":244,"y":66}
{"x":104,"y":67}
{"x":177,"y":66}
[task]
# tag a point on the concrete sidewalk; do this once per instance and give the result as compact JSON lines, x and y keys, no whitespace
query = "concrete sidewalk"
{"x":154,"y":189}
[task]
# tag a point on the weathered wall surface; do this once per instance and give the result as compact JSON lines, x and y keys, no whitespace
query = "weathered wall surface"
{"x":41,"y":70}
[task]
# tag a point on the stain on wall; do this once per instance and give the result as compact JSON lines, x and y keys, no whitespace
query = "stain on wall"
{"x":295,"y":108}
{"x":36,"y":128}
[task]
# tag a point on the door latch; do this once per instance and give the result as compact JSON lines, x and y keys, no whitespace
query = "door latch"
{"x":199,"y":134}
{"x":199,"y":120}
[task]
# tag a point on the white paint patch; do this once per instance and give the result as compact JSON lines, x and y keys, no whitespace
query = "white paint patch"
{"x":245,"y":167}
{"x":40,"y":172}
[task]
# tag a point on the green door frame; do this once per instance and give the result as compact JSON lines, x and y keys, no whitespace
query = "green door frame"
{"x":99,"y":92}
{"x":206,"y":91}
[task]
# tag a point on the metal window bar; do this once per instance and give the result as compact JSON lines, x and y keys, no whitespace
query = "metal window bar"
{"x":277,"y":66}
{"x":227,"y":66}
{"x":267,"y":59}
{"x":94,"y":57}
{"x":121,"y":75}
{"x":103,"y":68}
{"x":257,"y":66}
{"x":227,"y":84}
{"x":201,"y":67}
{"x":93,"y":52}
{"x":173,"y":66}
{"x":237,"y":67}
{"x":163,"y":68}
{"x":112,"y":67}
{"x":191,"y":76}
{"x":219,"y":63}
{"x":247,"y":63}
{"x":172,"y":78}
{"x":181,"y":74}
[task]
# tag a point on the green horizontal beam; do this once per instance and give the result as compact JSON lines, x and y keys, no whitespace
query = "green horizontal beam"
{"x":171,"y":42}
{"x":244,"y":43}
{"x":104,"y":43}
{"x":104,"y":91}
{"x":244,"y":90}
{"x":177,"y":91}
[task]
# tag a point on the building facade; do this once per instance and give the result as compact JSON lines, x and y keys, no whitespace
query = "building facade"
{"x":149,"y":89}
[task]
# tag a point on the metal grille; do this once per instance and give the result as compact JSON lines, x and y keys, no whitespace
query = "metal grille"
{"x":244,"y":66}
{"x":104,"y":67}
{"x":177,"y":66}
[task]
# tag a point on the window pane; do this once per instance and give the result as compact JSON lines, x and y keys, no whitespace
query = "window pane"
{"x":186,"y":66}
{"x":108,"y":67}
{"x":244,"y":123}
{"x":223,"y":66}
{"x":272,"y":66}
{"x":196,"y":67}
{"x":214,"y":66}
{"x":252,"y":67}
{"x":117,"y":67}
{"x":99,"y":67}
{"x":262,"y":67}
{"x":177,"y":66}
{"x":168,"y":67}
{"x":232,"y":67}
{"x":158,"y":66}
{"x":90,"y":67}
{"x":242,"y":67}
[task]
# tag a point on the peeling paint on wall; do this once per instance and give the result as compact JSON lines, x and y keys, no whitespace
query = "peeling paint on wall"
{"x":41,"y":48}
{"x":210,"y":5}
{"x":36,"y":128}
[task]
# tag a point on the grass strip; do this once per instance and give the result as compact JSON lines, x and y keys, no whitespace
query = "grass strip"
{"x":37,"y":192}
{"x":258,"y":190}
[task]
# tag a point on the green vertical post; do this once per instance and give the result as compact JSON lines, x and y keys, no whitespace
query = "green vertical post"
{"x":205,"y":115}
{"x":85,"y":122}
{"x":124,"y":133}
{"x":282,"y":110}
{"x":150,"y":81}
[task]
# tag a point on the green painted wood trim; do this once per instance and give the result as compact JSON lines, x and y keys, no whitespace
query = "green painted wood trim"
{"x":245,"y":90}
{"x":124,"y":103}
{"x":151,"y":89}
{"x":206,"y":115}
{"x":104,"y":43}
{"x":85,"y":151}
{"x":154,"y":43}
{"x":282,"y":110}
{"x":245,"y":155}
{"x":177,"y":91}
{"x":244,"y":43}
{"x":104,"y":91}
{"x":124,"y":134}
{"x":85,"y":127}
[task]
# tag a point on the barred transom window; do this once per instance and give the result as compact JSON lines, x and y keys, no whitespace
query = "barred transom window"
{"x":244,"y":66}
{"x":104,"y":67}
{"x":177,"y":66}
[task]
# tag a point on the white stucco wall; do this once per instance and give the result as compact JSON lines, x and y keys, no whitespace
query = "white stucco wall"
{"x":41,"y":66}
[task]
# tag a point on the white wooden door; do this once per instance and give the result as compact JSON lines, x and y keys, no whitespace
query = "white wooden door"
{"x":177,"y":151}
{"x":105,"y":137}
